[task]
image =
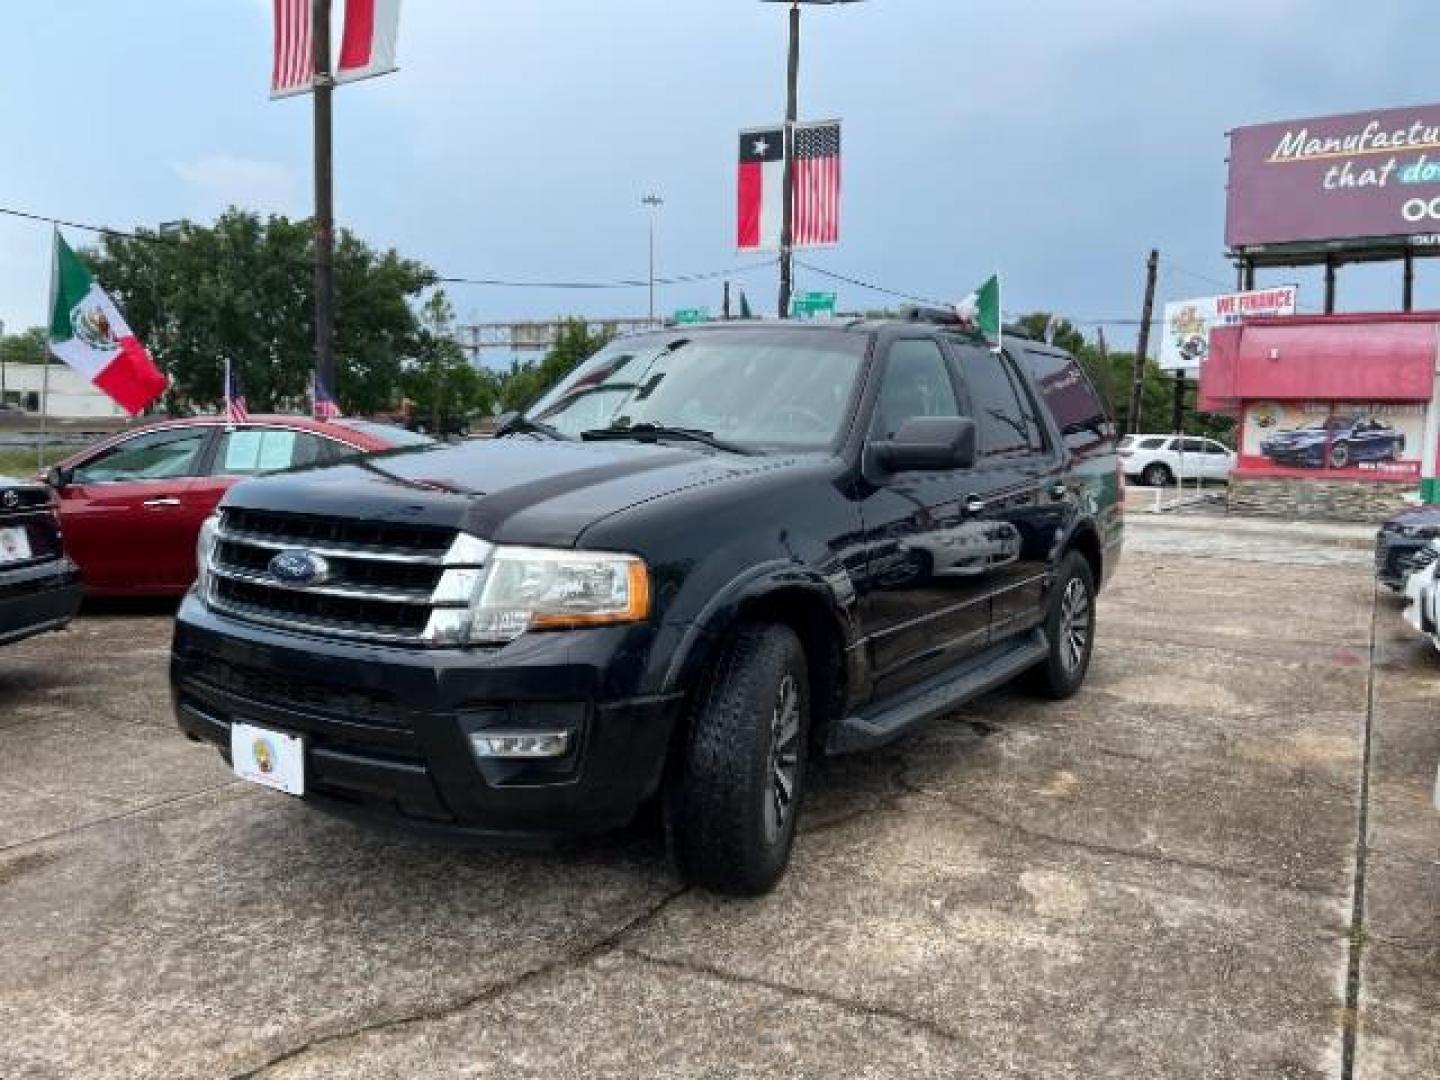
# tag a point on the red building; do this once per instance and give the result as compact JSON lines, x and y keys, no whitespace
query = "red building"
{"x":1337,"y":414}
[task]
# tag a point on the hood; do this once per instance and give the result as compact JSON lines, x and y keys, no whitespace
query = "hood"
{"x":516,"y":490}
{"x":1413,"y":517}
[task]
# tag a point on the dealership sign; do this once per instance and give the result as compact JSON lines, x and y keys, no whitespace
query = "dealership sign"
{"x":1359,"y":440}
{"x":1362,"y":176}
{"x":1185,"y":333}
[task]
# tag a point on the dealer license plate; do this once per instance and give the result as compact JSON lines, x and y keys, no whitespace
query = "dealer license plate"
{"x":14,"y":545}
{"x":268,"y":757}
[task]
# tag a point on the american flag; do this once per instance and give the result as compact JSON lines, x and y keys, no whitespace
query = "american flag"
{"x":294,"y":69}
{"x":236,"y":409}
{"x":816,"y":166}
{"x":324,"y":407}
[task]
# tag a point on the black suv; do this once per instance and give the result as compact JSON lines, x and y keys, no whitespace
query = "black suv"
{"x":39,"y":587}
{"x":707,"y":555}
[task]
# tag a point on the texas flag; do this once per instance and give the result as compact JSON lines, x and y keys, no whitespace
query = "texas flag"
{"x":762,"y":188}
{"x":88,"y":332}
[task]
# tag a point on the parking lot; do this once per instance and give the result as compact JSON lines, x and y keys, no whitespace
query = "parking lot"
{"x":1156,"y":878}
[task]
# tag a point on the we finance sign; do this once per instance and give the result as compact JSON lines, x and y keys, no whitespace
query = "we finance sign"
{"x":1361,"y":176}
{"x":1185,"y":331}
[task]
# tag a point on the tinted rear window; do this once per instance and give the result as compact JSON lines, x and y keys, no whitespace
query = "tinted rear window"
{"x":1153,"y":444}
{"x":1079,"y":413}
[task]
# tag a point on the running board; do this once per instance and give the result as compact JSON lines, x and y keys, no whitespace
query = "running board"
{"x":993,"y":667}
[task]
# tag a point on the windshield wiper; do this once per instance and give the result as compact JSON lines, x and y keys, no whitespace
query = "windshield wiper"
{"x":656,"y":432}
{"x":520,"y":424}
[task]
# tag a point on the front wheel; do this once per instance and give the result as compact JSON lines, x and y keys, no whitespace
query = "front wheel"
{"x":734,"y":796}
{"x":1339,"y":455}
{"x":1070,"y":630}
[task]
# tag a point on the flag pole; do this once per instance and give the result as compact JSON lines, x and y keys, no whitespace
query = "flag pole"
{"x":40,"y":450}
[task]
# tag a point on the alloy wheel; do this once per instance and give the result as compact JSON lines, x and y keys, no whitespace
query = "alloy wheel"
{"x":1075,"y":620}
{"x":784,"y":758}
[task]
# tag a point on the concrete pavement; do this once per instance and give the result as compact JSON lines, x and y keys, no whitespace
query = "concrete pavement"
{"x":1157,"y":878}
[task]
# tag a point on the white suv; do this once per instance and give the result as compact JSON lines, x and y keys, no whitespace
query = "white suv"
{"x":1158,"y":460}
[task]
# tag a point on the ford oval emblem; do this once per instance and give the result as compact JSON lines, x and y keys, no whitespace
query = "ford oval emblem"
{"x":299,"y":569}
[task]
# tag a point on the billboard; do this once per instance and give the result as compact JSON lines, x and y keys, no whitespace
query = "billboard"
{"x":1354,"y":177}
{"x":1367,"y":440}
{"x":1185,"y":331}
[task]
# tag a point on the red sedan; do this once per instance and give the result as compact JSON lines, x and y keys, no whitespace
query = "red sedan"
{"x":131,"y":506}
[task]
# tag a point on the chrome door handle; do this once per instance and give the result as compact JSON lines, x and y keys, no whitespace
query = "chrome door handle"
{"x":974,"y":504}
{"x":1058,"y":490}
{"x":167,"y":500}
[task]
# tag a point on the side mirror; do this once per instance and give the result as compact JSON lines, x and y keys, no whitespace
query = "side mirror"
{"x":59,"y":478}
{"x":928,"y":443}
{"x":504,"y":420}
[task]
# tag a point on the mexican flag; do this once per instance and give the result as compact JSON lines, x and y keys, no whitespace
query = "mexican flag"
{"x":981,"y":309}
{"x":88,"y":332}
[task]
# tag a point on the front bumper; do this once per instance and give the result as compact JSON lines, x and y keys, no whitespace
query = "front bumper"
{"x":1394,"y":555}
{"x":1310,"y":455}
{"x":38,"y":598}
{"x":387,"y":729}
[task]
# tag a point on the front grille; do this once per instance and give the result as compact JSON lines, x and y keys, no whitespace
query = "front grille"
{"x":382,"y":582}
{"x":357,"y":706}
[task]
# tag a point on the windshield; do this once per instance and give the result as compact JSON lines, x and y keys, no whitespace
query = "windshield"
{"x":1333,"y":423}
{"x":394,"y":435}
{"x":755,"y":388}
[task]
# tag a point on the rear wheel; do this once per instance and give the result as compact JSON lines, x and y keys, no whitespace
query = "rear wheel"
{"x":734,"y":797}
{"x":1070,"y":630}
{"x":1156,"y":474}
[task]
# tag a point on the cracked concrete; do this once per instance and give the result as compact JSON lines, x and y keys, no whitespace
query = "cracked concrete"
{"x":1153,"y":879}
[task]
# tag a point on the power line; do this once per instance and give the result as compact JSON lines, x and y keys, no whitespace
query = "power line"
{"x":871,"y":285}
{"x":505,"y":283}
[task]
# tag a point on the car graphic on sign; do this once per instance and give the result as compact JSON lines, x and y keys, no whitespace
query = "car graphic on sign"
{"x":1337,"y":442}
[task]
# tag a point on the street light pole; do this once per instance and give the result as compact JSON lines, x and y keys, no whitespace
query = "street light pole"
{"x":324,"y":201}
{"x":654,"y":202}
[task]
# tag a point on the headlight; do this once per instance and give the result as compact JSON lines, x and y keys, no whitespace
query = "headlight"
{"x":522,"y":589}
{"x":1419,"y":532}
{"x":204,"y":548}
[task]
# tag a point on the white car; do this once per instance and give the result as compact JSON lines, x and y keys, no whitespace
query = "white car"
{"x":1158,"y":460}
{"x":1422,"y":592}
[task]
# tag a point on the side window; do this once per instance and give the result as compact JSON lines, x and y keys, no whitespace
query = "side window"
{"x":1215,"y":448}
{"x":1066,"y":391}
{"x":248,"y":451}
{"x":1153,"y":444}
{"x":1004,"y":424}
{"x":916,"y":383}
{"x":156,"y":455}
{"x":1193,"y":446}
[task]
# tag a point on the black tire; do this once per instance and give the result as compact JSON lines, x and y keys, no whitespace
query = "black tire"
{"x":1063,"y":670}
{"x":1156,"y":474}
{"x":1339,"y":455}
{"x":724,"y":821}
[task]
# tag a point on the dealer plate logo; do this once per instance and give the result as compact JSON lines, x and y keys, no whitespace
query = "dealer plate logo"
{"x":299,"y":569}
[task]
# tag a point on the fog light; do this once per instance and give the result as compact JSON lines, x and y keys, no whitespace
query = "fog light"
{"x":521,"y":744}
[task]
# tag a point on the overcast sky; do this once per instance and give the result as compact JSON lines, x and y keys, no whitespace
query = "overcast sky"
{"x":1052,"y":140}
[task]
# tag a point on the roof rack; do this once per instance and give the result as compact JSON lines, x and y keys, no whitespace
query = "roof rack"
{"x":943,"y":317}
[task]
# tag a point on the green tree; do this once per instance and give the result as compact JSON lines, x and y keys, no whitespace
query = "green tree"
{"x":244,"y":289}
{"x":439,"y":381}
{"x":27,"y":347}
{"x":525,"y":382}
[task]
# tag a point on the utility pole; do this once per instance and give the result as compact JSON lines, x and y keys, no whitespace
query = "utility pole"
{"x":725,"y":303}
{"x":324,"y":200}
{"x":787,"y":219}
{"x":654,"y":202}
{"x":1142,"y":349}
